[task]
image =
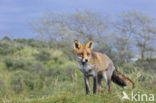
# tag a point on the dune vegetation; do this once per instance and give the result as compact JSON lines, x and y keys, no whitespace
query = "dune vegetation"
{"x":33,"y":71}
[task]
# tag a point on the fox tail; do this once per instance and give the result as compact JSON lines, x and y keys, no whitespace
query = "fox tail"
{"x":121,"y":80}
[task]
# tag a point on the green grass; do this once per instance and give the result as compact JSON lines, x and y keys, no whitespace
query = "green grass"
{"x":74,"y":92}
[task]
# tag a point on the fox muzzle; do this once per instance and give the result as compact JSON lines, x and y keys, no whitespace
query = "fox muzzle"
{"x":84,"y":60}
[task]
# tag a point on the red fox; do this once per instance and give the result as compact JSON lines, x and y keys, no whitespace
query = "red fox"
{"x":98,"y":66}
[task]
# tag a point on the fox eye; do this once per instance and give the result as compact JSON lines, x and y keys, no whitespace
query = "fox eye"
{"x":88,"y":54}
{"x":80,"y":54}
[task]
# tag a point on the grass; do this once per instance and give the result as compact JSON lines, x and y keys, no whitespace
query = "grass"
{"x":74,"y":92}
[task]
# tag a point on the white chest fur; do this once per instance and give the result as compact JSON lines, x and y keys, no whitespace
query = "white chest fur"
{"x":87,"y":69}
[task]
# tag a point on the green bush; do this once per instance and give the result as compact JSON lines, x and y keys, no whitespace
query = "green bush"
{"x":63,"y":73}
{"x":32,"y":43}
{"x":43,"y":56}
{"x":23,"y":80}
{"x":17,"y":82}
{"x":147,"y":65}
{"x":69,"y":72}
{"x":38,"y":44}
{"x":14,"y":64}
{"x":7,"y":49}
{"x":128,"y":68}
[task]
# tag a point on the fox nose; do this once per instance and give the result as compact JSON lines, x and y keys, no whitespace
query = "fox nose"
{"x":86,"y":60}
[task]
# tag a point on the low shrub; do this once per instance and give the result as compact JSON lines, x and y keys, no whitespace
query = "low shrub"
{"x":17,"y":82}
{"x":43,"y":56}
{"x":128,"y":68}
{"x":33,"y":81}
{"x":14,"y":64}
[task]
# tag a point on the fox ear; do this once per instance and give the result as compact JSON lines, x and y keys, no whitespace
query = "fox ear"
{"x":77,"y":44}
{"x":89,"y":44}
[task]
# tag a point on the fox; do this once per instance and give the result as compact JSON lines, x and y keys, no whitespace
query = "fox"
{"x":98,"y":66}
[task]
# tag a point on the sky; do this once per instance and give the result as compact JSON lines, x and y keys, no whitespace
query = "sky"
{"x":16,"y":15}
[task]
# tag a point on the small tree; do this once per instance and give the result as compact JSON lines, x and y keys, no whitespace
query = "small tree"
{"x":124,"y":30}
{"x":84,"y":25}
{"x":145,"y":32}
{"x":137,"y":26}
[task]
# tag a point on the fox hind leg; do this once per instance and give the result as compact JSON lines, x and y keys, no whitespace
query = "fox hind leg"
{"x":108,"y":81}
{"x":108,"y":75}
{"x":109,"y":86}
{"x":99,"y":83}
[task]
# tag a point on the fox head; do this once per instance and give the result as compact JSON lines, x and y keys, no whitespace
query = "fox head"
{"x":83,"y":52}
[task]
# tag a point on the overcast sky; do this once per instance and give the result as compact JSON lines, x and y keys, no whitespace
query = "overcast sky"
{"x":15,"y":15}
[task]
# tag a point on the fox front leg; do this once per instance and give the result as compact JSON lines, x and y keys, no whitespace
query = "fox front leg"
{"x":86,"y":79}
{"x":99,"y":84}
{"x":95,"y":85}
